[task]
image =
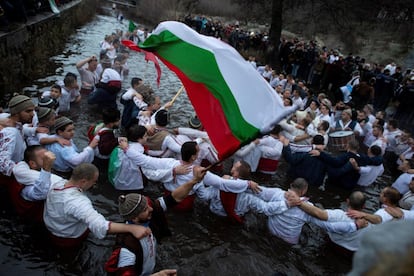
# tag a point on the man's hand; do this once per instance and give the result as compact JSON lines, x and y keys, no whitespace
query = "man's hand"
{"x":354,"y":163}
{"x":257,"y":141}
{"x":182,"y":169}
{"x":168,"y":105}
{"x":94,"y":143}
{"x":395,"y":212}
{"x":355,"y":214}
{"x":285,"y":141}
{"x":139,"y":231}
{"x":138,"y":96}
{"x":199,"y":173}
{"x":63,"y":142}
{"x":292,"y":199}
{"x":320,"y":147}
{"x":48,"y":160}
{"x":361,"y":223}
{"x":254,"y":187}
{"x":42,"y":130}
{"x":315,"y":153}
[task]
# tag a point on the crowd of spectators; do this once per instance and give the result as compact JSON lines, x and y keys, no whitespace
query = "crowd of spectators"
{"x":386,"y":86}
{"x":236,"y":36}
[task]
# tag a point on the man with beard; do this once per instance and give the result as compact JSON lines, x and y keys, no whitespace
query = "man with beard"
{"x":12,"y":144}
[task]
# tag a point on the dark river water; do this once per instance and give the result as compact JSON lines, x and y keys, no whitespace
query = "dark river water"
{"x":202,"y":244}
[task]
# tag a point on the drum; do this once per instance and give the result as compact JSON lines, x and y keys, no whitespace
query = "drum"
{"x":338,"y":140}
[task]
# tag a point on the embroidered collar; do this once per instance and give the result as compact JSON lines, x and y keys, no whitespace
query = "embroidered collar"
{"x":68,"y":187}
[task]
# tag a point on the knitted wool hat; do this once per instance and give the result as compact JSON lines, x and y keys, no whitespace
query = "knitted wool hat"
{"x":47,"y":102}
{"x":194,"y":122}
{"x":43,"y":113}
{"x":131,"y":205}
{"x":20,"y":103}
{"x":62,"y":121}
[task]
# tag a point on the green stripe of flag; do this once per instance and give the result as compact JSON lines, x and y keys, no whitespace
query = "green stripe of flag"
{"x":183,"y":55}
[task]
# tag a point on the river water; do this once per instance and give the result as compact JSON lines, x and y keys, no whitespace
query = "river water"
{"x":202,"y":244}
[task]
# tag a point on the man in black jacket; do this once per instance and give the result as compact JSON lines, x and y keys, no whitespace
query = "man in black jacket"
{"x":303,"y":165}
{"x":339,"y":168}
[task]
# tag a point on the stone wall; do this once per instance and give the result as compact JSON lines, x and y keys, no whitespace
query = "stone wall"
{"x":25,"y":52}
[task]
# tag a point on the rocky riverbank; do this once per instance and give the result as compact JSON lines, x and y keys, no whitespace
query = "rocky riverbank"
{"x":25,"y":51}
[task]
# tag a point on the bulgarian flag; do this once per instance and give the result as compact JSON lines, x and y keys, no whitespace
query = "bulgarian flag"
{"x":148,"y":57}
{"x":233,"y":101}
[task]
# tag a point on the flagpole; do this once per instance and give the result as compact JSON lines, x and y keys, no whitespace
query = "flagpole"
{"x":209,"y":167}
{"x":178,"y":94}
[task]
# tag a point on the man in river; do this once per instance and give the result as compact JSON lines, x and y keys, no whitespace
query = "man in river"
{"x":88,"y":74}
{"x":189,"y":154}
{"x":235,"y":205}
{"x":288,"y":225}
{"x":34,"y":179}
{"x":389,"y":210}
{"x":106,"y":89}
{"x":138,"y":256}
{"x":12,"y":144}
{"x":349,"y":242}
{"x":69,"y":214}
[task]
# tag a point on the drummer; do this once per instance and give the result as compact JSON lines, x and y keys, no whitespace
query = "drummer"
{"x":347,"y":123}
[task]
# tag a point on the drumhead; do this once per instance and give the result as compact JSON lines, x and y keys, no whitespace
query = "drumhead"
{"x":341,"y":133}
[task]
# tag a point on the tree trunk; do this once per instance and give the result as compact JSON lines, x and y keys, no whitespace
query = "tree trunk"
{"x":272,"y":55}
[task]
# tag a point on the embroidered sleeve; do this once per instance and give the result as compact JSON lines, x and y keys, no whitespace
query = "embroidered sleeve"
{"x":7,"y":147}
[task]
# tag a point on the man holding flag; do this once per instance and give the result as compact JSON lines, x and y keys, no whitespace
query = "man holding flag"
{"x":234,"y":103}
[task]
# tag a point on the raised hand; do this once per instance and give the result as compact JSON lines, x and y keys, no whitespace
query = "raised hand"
{"x":94,"y":143}
{"x":48,"y":160}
